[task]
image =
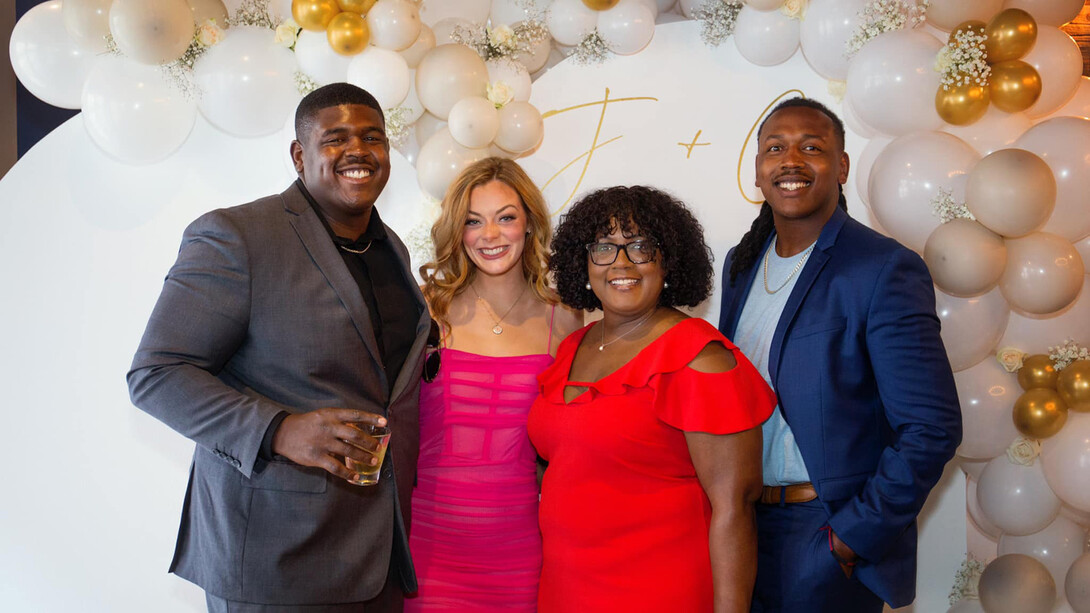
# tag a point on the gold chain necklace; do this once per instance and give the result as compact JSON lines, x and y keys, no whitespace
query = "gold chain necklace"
{"x":795,"y":270}
{"x":357,"y":251}
{"x":642,"y":321}
{"x":497,"y":329}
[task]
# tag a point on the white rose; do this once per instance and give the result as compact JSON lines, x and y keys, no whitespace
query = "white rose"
{"x":1024,"y":451}
{"x":208,"y":33}
{"x":287,"y":33}
{"x":795,"y":9}
{"x":837,"y":89}
{"x":1010,"y":358}
{"x":499,"y":93}
{"x":501,"y":36}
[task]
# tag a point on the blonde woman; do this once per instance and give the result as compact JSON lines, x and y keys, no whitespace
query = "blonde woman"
{"x":475,"y":539}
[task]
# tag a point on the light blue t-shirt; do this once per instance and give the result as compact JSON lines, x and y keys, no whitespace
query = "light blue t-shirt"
{"x":756,"y":326}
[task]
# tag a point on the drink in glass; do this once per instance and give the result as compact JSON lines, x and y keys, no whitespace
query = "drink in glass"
{"x":367,"y":473}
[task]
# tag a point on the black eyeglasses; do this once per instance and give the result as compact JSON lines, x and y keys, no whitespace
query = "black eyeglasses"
{"x":639,"y":251}
{"x":432,"y":361}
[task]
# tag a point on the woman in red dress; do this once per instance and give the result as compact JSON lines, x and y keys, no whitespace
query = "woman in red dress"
{"x":648,"y":421}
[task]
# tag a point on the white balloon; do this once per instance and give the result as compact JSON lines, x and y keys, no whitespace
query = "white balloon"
{"x":627,"y":27}
{"x":1048,"y":12}
{"x":1058,"y":60}
{"x":133,"y":113}
{"x":855,"y":124}
{"x":521,"y":127}
{"x":666,"y":5}
{"x":87,"y":22}
{"x":861,"y":166}
{"x":762,"y":5}
{"x":427,"y":126}
{"x":412,"y":101}
{"x":444,"y":30}
{"x":204,"y":10}
{"x":949,"y":14}
{"x":409,"y":148}
{"x":570,"y":21}
{"x":1066,"y":460}
{"x":1064,"y":144}
{"x":688,"y":7}
{"x":972,"y":468}
{"x":1079,"y":104}
{"x":908,"y":174}
{"x":1016,"y":498}
{"x":978,"y":519}
{"x":48,"y":62}
{"x":971,"y":328}
{"x":383,"y":73}
{"x":416,"y":51}
{"x":1057,"y":546}
{"x":440,"y":161}
{"x":513,"y":74}
{"x":248,"y":82}
{"x":892,"y":82}
{"x":766,"y":38}
{"x":535,"y":59}
{"x":318,"y":60}
{"x":1034,"y":334}
{"x":394,"y":24}
{"x":986,"y":392}
{"x":825,"y":32}
{"x":279,"y":10}
{"x":473,"y":122}
{"x":473,"y":11}
{"x":152,"y":32}
{"x":447,"y":74}
{"x":1077,"y":584}
{"x":1044,"y":273}
{"x":994,"y":131}
{"x":508,"y":12}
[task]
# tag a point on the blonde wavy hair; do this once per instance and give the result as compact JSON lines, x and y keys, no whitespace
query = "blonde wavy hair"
{"x":452,"y":271}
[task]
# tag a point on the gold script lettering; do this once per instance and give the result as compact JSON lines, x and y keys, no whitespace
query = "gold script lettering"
{"x":690,"y":146}
{"x":752,"y":129}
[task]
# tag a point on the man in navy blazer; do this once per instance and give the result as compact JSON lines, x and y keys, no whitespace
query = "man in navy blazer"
{"x":841,"y":322}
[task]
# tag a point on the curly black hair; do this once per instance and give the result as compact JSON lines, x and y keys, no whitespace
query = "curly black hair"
{"x":685,"y":257}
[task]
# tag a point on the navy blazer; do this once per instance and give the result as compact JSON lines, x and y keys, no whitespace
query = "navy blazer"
{"x":863,"y":380}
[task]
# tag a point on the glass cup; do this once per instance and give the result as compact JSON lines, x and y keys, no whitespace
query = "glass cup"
{"x":367,"y":473}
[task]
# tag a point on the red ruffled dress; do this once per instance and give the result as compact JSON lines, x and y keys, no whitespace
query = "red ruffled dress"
{"x":624,"y":520}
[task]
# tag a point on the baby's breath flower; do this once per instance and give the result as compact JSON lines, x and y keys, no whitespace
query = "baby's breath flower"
{"x":880,"y":16}
{"x":1068,"y":352}
{"x":717,"y":20}
{"x":948,"y":209}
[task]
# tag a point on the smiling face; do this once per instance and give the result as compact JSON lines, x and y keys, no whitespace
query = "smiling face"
{"x":625,"y":289}
{"x":494,"y":235}
{"x":801,"y":164}
{"x":344,"y":161}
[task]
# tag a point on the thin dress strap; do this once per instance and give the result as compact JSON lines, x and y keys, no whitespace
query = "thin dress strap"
{"x":549,"y":341}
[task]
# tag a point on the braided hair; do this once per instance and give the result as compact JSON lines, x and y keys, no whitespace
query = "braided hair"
{"x":749,"y":248}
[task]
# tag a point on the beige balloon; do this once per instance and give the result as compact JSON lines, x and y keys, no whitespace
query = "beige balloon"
{"x":1058,"y":60}
{"x":395,"y":24}
{"x":1044,"y":273}
{"x":203,"y":10}
{"x":1011,"y":192}
{"x":947,"y":14}
{"x":473,"y":122}
{"x":965,"y":258}
{"x":447,"y":74}
{"x":441,"y":159}
{"x":416,"y":51}
{"x":1046,"y":12}
{"x":151,"y":32}
{"x":763,"y":5}
{"x":87,"y":22}
{"x":521,"y":127}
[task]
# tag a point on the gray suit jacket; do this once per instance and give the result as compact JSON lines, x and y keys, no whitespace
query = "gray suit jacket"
{"x":258,"y":315}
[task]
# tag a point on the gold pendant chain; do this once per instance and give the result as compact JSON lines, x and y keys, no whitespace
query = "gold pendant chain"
{"x":497,"y":329}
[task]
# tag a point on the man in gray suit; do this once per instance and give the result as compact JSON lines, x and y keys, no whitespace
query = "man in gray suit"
{"x":283,"y":321}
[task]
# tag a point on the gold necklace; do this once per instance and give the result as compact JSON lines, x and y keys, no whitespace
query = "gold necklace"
{"x":357,"y":251}
{"x":802,"y":259}
{"x":643,"y":320}
{"x":497,"y":329}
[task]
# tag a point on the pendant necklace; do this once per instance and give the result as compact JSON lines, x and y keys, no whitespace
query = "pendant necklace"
{"x":642,"y":321}
{"x":497,"y":329}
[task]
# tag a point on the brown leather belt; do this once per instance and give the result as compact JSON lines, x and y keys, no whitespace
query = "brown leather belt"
{"x":799,"y":492}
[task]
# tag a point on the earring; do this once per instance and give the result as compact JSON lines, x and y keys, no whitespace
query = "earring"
{"x":588,"y":284}
{"x":665,"y":285}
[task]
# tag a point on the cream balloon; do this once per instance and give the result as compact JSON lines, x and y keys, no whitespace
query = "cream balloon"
{"x":908,"y":174}
{"x":978,"y":519}
{"x":762,"y":5}
{"x":892,"y":82}
{"x":1083,"y":247}
{"x":472,"y":11}
{"x":1057,"y":546}
{"x":765,"y":38}
{"x":427,"y":126}
{"x":203,"y":10}
{"x":152,"y":32}
{"x":1064,"y":144}
{"x":1016,"y":498}
{"x":971,"y":327}
{"x":508,"y":11}
{"x":318,"y":60}
{"x":521,"y":127}
{"x":1077,"y":584}
{"x":1079,"y":104}
{"x":535,"y":59}
{"x":1036,"y":333}
{"x":473,"y":122}
{"x":444,"y":30}
{"x":972,"y":468}
{"x":280,"y":10}
{"x":412,"y":102}
{"x":1011,"y":192}
{"x":1058,"y":60}
{"x":441,"y":159}
{"x":995,"y":130}
{"x":383,"y":73}
{"x":447,"y":74}
{"x":133,"y":113}
{"x":965,"y":258}
{"x":862,"y":165}
{"x":948,"y":14}
{"x":1065,"y":457}
{"x":1044,"y":273}
{"x":1048,"y":12}
{"x":513,"y":74}
{"x":986,"y":392}
{"x":1016,"y":583}
{"x":825,"y":32}
{"x":424,"y":43}
{"x":855,"y":124}
{"x":87,"y":22}
{"x":570,"y":21}
{"x":394,"y":24}
{"x":688,"y":7}
{"x":48,"y":62}
{"x":627,"y":27}
{"x":248,"y":82}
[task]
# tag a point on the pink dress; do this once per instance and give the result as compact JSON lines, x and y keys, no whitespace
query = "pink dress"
{"x":475,"y":539}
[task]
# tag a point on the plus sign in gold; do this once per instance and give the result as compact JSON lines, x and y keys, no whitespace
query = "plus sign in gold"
{"x":689,"y":146}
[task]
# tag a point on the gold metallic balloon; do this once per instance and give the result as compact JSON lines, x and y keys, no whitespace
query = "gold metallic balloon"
{"x":1014,"y":86}
{"x":1011,"y":34}
{"x":962,"y":105}
{"x":1073,"y":384}
{"x":314,"y":15}
{"x":356,"y":6}
{"x":1037,"y":371}
{"x":973,"y":24}
{"x":600,"y":5}
{"x":1039,"y":413}
{"x":348,"y":33}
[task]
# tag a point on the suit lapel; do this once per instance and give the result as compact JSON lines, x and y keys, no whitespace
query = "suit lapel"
{"x":409,"y":370}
